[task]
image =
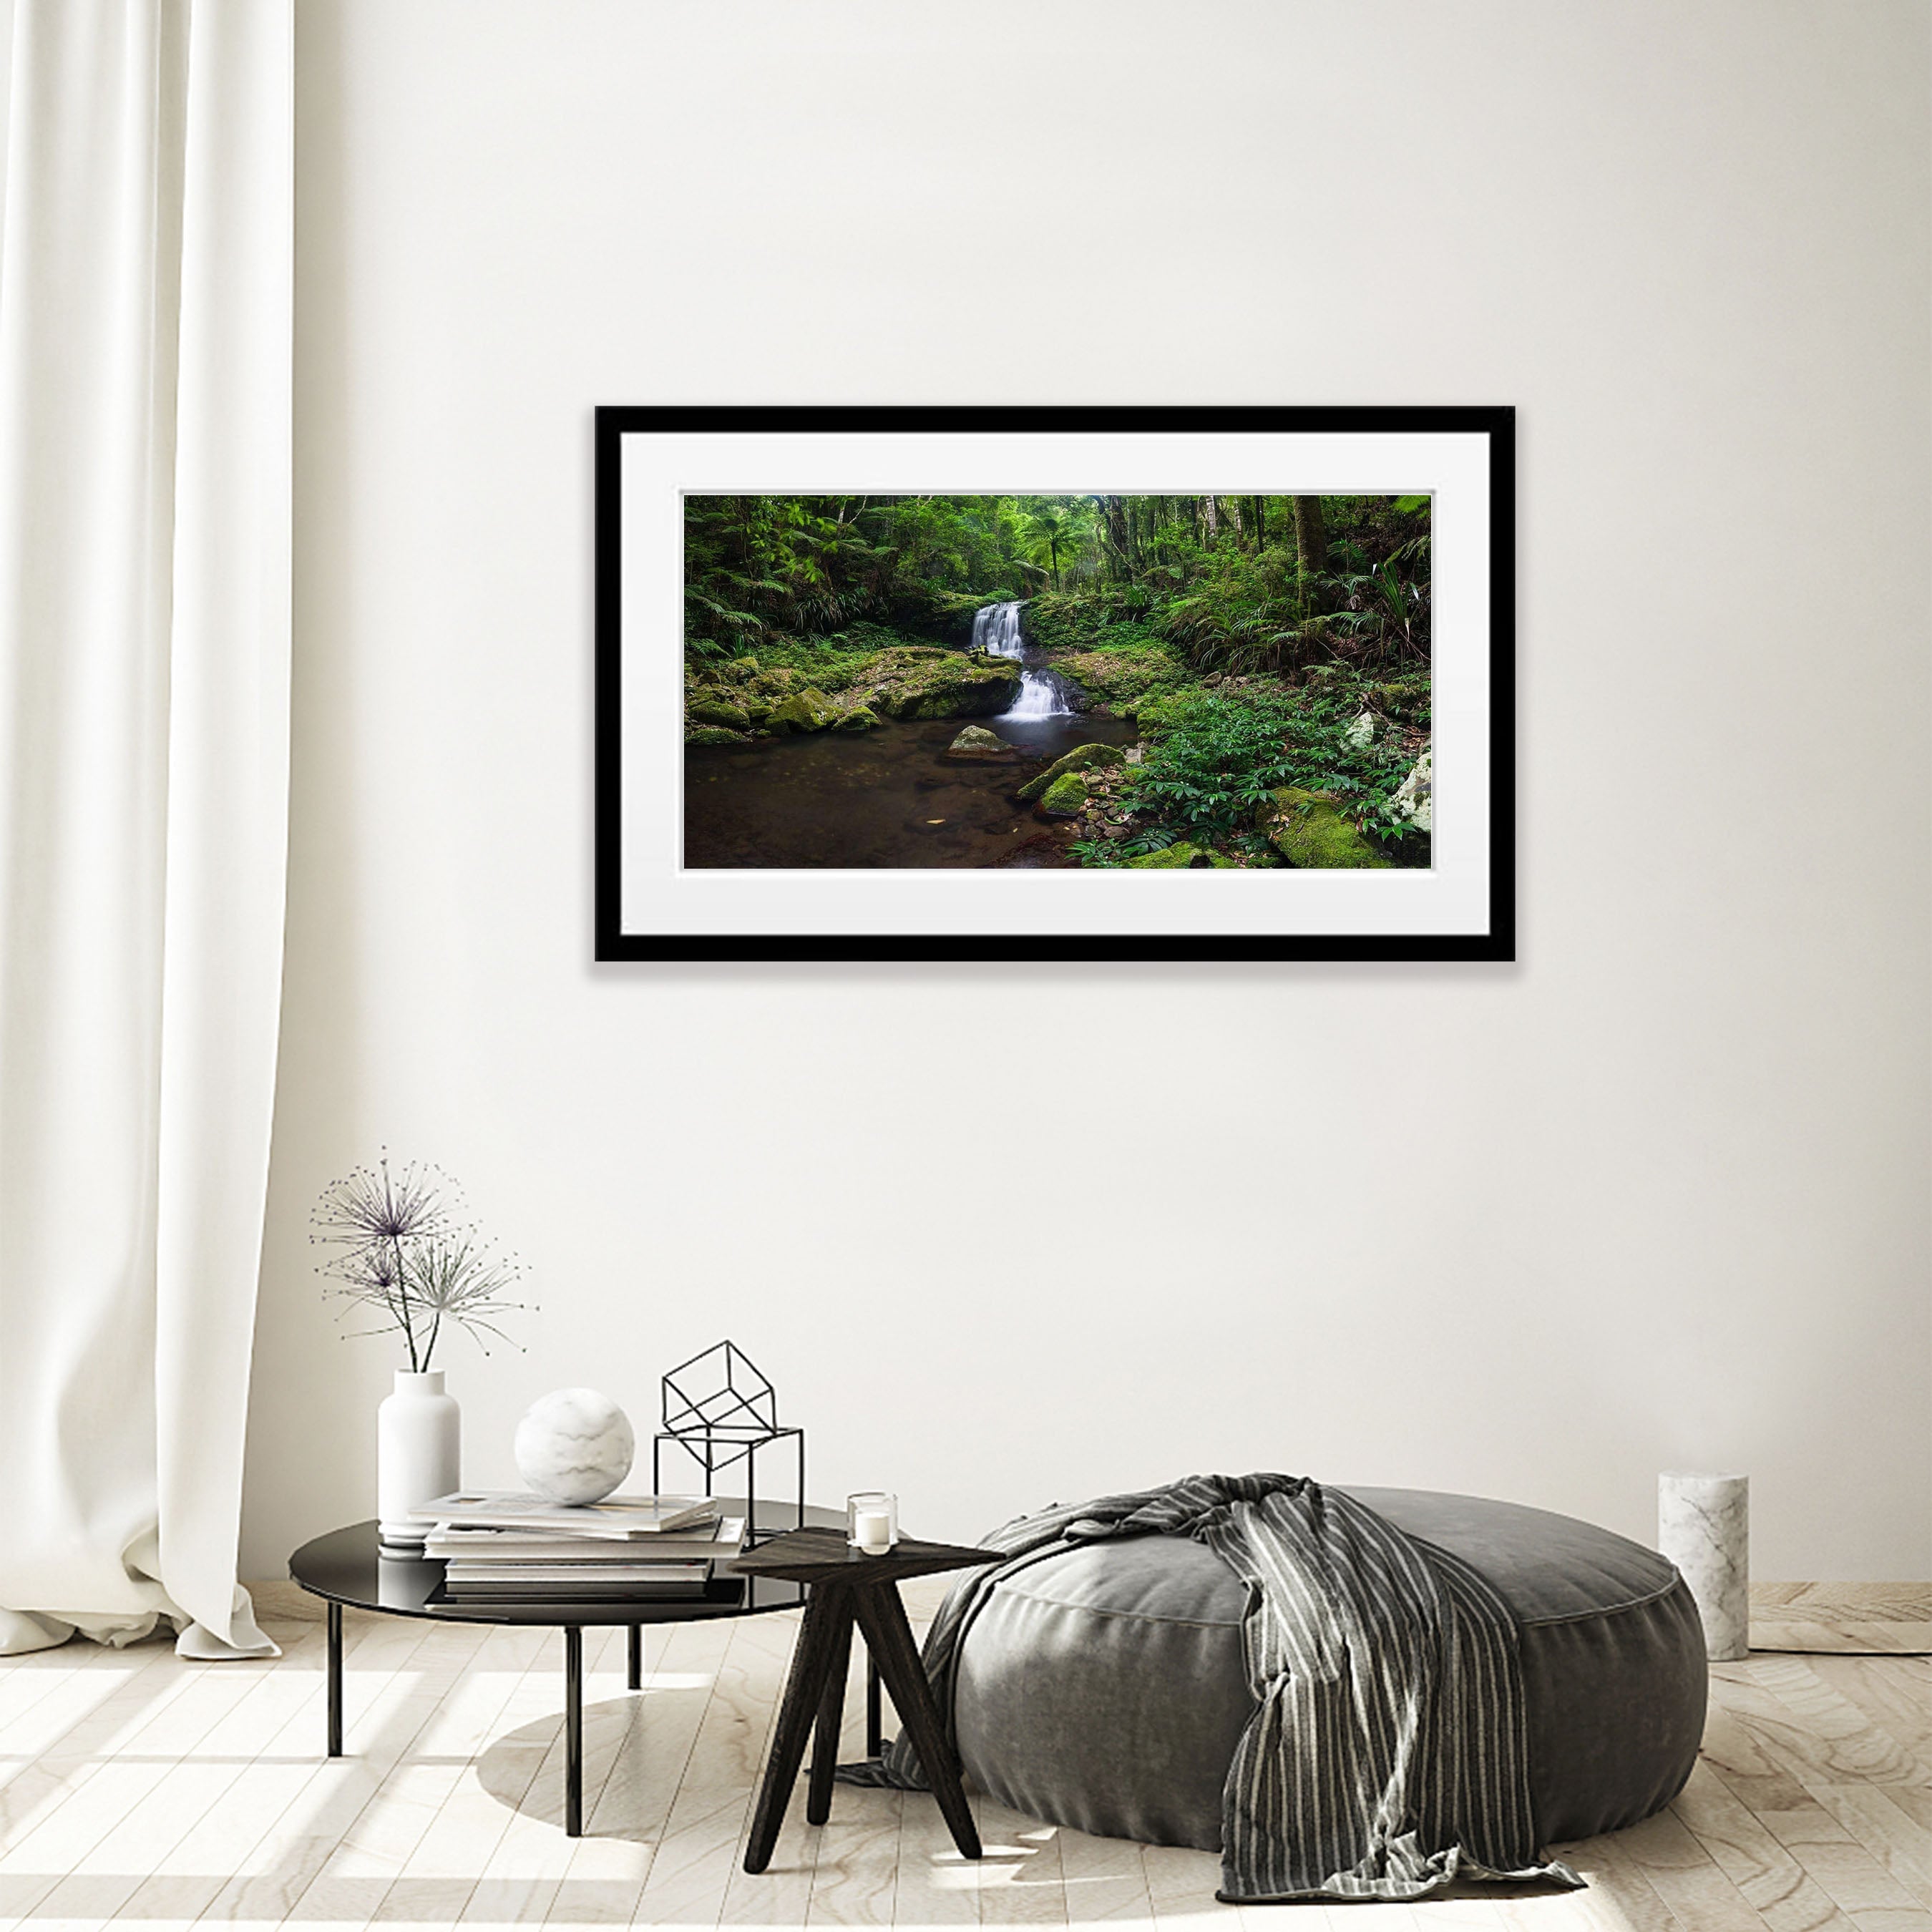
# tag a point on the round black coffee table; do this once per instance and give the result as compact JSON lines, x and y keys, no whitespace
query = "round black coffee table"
{"x":350,"y":1566}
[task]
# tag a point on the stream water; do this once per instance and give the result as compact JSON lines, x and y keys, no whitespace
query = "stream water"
{"x":890,"y":797}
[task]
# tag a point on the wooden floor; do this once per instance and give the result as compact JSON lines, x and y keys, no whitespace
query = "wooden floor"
{"x":142,"y":1791}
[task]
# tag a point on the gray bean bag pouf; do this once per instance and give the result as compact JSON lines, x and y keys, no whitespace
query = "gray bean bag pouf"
{"x":1104,"y":1688}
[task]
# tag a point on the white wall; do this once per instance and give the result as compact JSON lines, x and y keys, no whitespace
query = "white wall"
{"x":1655,"y":1197}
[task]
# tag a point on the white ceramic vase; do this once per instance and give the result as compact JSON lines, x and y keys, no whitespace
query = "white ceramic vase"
{"x":419,"y":1454}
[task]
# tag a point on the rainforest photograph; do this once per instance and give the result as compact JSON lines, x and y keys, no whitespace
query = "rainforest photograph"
{"x":1079,"y":681}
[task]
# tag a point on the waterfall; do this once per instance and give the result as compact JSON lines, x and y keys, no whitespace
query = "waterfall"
{"x":996,"y":628}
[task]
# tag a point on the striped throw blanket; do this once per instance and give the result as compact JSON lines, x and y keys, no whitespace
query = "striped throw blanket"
{"x":1387,"y":1751}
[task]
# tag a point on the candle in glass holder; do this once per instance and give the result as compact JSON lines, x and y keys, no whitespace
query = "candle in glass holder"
{"x":872,"y":1521}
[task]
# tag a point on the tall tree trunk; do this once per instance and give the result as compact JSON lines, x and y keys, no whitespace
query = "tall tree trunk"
{"x":1213,"y":532}
{"x":1311,"y":534}
{"x":1234,"y":520}
{"x":1117,"y":530}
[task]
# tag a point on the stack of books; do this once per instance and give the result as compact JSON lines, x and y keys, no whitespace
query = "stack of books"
{"x":514,"y":1548}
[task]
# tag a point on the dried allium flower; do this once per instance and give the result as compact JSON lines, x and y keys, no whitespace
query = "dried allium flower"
{"x":405,"y":1255}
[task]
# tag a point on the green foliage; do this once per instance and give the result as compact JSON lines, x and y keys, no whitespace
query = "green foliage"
{"x":1056,"y":623}
{"x":760,"y":567}
{"x":834,"y":661}
{"x":1386,"y":604}
{"x":1097,"y":853}
{"x":1247,"y":612}
{"x":1218,"y":581}
{"x":1053,"y":531}
{"x":1215,"y":759}
{"x":1242,"y":603}
{"x":1137,"y":845}
{"x":1408,"y":698}
{"x":1215,"y":762}
{"x":1362,"y":779}
{"x":1118,"y":660}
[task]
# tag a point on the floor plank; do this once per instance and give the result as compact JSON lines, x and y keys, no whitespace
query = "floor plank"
{"x":1762,"y":1867}
{"x":142,"y":1791}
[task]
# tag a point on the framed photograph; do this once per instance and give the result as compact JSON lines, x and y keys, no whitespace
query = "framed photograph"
{"x":1105,"y":684}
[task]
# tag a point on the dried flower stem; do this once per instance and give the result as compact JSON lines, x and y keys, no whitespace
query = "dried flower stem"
{"x":403,"y":1249}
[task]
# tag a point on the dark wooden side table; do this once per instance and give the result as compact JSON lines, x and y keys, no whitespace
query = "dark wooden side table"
{"x":845,"y":1586}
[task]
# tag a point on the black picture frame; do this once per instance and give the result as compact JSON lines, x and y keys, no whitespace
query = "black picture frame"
{"x":1496,"y":423}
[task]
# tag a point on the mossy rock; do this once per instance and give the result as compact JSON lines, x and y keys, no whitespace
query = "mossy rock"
{"x":1309,"y":831}
{"x":913,"y":681}
{"x":1124,"y":685}
{"x":1081,"y":758}
{"x":712,"y":734}
{"x":777,"y":683}
{"x":709,"y":708}
{"x":980,"y":691}
{"x":976,"y":742}
{"x":1405,"y":697}
{"x":1173,"y":859}
{"x":1222,"y":860}
{"x":804,"y":711}
{"x":1066,"y":797}
{"x":858,"y":718}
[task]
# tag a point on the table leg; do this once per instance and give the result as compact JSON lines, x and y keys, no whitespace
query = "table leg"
{"x":335,"y":1680}
{"x":636,"y":1661}
{"x":883,"y":1618}
{"x":875,"y":1726}
{"x":831,"y":1715}
{"x":804,"y":1690}
{"x":573,"y":1731}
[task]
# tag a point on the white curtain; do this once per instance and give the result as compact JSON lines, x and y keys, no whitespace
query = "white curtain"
{"x":146,"y":362}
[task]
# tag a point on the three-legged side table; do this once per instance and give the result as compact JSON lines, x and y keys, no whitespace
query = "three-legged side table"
{"x":844,"y":1588}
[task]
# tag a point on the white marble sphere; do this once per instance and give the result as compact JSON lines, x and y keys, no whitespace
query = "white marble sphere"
{"x":574,"y":1446}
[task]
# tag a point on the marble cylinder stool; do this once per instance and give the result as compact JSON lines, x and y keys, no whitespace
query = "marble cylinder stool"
{"x":1703,"y":1525}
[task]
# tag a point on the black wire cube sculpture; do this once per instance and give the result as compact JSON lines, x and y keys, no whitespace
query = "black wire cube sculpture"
{"x":719,"y":1408}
